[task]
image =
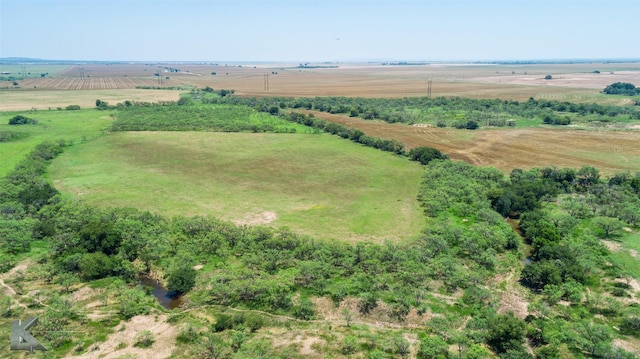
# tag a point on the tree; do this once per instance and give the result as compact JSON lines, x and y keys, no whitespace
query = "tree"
{"x":608,"y":225}
{"x":97,"y":265}
{"x":22,"y":120}
{"x":505,"y":332}
{"x":347,"y":314}
{"x":16,"y":235}
{"x":425,"y":154}
{"x":622,"y":88}
{"x":433,"y":347}
{"x":102,"y":105}
{"x":182,"y":279}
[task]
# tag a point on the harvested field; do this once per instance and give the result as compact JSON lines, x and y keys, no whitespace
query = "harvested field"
{"x":506,"y":149}
{"x":17,"y":100}
{"x":571,"y":82}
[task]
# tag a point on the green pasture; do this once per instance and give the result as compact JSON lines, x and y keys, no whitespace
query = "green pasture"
{"x":319,"y":185}
{"x":628,"y":258}
{"x":75,"y":126}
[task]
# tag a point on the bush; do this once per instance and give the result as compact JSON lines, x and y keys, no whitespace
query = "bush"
{"x":630,"y":326}
{"x":349,"y":345}
{"x":223,"y":322}
{"x":425,"y":155}
{"x":72,"y":108}
{"x":144,"y":339}
{"x":22,"y":120}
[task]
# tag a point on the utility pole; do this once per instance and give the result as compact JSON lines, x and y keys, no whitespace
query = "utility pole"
{"x":266,"y":82}
{"x":429,"y":87}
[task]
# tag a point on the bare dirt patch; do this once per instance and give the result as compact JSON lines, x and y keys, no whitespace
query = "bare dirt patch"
{"x":612,"y":246}
{"x":164,"y":335}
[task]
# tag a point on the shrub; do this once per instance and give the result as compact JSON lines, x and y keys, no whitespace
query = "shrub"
{"x":631,"y":326}
{"x":349,"y":345}
{"x":22,"y":120}
{"x":144,"y":339}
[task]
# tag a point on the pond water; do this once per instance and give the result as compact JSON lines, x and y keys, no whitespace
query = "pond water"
{"x":164,"y":297}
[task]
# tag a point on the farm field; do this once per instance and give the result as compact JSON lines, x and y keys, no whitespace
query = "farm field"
{"x":572,"y":82}
{"x":40,"y":99}
{"x":74,"y":126}
{"x":318,"y":185}
{"x":611,"y":151}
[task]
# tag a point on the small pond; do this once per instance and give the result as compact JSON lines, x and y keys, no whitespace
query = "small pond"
{"x":164,"y":297}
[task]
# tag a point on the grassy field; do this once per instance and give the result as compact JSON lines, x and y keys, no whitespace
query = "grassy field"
{"x":628,"y":257}
{"x":315,"y":184}
{"x":75,"y":126}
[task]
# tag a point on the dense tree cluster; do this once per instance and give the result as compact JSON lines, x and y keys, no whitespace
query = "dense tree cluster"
{"x":223,"y":118}
{"x":22,"y":120}
{"x":442,"y":111}
{"x":622,"y":88}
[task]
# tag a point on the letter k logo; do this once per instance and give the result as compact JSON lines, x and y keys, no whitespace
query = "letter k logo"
{"x":21,"y":339}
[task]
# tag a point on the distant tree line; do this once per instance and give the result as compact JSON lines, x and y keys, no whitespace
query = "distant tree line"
{"x":442,"y":111}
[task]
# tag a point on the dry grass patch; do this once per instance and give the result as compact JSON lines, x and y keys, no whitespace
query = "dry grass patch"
{"x":122,"y":341}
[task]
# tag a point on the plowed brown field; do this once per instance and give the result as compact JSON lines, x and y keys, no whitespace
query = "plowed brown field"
{"x":571,"y":82}
{"x":608,"y":150}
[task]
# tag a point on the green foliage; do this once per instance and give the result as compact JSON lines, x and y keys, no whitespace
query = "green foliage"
{"x":433,"y":347}
{"x":132,"y":302}
{"x":622,"y":88}
{"x":6,"y":136}
{"x":222,"y":118}
{"x":505,"y":332}
{"x":609,"y":226}
{"x":425,"y":155}
{"x":97,"y":265}
{"x":630,"y":326}
{"x":182,"y":279}
{"x":349,"y":345}
{"x":305,"y":311}
{"x":144,"y":339}
{"x":22,"y":120}
{"x":102,"y":105}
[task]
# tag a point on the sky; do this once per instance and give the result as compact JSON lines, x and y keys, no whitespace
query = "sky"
{"x":319,"y":30}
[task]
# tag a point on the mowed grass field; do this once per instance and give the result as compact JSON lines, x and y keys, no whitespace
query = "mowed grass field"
{"x":314,"y":184}
{"x":74,"y":126}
